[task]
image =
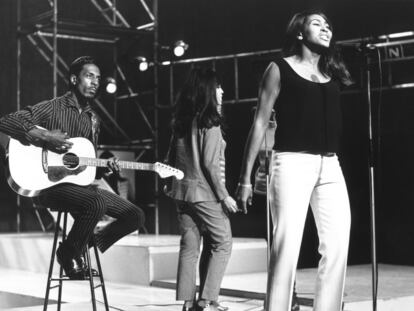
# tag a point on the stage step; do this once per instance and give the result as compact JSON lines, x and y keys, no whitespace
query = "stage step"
{"x":135,"y":259}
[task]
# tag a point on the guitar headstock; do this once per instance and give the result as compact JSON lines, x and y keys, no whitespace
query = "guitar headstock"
{"x":165,"y":171}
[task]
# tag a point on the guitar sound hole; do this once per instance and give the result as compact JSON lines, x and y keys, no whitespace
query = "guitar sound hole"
{"x":70,"y":160}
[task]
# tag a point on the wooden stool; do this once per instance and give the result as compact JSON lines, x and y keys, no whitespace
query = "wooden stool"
{"x":62,"y":277}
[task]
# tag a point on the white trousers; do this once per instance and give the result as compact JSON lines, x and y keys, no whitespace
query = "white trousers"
{"x":297,"y":180}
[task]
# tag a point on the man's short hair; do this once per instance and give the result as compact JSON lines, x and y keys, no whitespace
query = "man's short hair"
{"x":77,"y":65}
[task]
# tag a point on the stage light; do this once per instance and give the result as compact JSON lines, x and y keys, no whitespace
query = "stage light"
{"x":142,"y":63}
{"x":143,"y":66}
{"x":179,"y":48}
{"x":110,"y":86}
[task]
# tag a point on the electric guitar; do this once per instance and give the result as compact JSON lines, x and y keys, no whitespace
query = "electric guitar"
{"x":33,"y":169}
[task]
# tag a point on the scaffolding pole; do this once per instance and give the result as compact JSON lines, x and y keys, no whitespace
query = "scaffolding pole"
{"x":156,"y":99}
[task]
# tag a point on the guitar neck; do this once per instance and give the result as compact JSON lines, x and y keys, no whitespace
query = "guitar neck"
{"x":122,"y":164}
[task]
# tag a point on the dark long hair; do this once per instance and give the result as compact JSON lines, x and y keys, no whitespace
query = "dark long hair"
{"x":197,"y":99}
{"x":330,"y":63}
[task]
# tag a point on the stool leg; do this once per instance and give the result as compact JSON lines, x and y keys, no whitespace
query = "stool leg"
{"x":65,"y":220}
{"x":88,"y":260}
{"x":98,"y":263}
{"x":52,"y":260}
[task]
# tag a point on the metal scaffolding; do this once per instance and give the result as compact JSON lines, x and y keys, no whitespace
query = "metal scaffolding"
{"x":43,"y":32}
{"x":391,"y":48}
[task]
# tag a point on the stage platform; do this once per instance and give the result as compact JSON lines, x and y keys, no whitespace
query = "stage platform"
{"x":148,"y":257}
{"x":140,"y":275}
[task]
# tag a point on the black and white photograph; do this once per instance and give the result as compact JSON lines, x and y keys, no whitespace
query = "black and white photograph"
{"x":207,"y":155}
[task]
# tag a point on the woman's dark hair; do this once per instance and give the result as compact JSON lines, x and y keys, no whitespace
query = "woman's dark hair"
{"x":197,"y":99}
{"x":330,"y":63}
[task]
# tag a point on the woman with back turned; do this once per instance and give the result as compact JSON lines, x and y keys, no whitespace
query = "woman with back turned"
{"x":303,"y":88}
{"x":203,"y":203}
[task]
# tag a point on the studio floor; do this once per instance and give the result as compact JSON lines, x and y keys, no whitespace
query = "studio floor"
{"x":243,"y":286}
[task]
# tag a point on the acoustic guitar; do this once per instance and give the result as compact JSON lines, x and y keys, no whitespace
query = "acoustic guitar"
{"x":33,"y":169}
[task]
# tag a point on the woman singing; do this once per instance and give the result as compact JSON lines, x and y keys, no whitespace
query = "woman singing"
{"x":303,"y":87}
{"x":202,"y":201}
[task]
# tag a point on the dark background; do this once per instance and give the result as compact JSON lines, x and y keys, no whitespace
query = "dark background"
{"x":225,"y":27}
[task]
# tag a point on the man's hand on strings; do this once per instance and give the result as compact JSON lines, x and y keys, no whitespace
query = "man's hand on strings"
{"x":113,"y":166}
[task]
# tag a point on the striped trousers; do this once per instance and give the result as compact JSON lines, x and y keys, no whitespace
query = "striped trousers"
{"x":87,"y":205}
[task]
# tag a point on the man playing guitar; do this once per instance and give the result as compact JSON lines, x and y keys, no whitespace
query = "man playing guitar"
{"x":50,"y":125}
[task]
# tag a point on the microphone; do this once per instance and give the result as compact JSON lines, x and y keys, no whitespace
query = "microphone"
{"x":366,"y":44}
{"x":361,"y":44}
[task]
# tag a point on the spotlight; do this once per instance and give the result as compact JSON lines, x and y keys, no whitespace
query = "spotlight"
{"x":110,"y":87}
{"x":179,"y":48}
{"x":142,"y":63}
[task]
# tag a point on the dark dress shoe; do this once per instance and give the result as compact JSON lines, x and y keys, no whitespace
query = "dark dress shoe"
{"x":83,"y":264}
{"x":69,"y":264}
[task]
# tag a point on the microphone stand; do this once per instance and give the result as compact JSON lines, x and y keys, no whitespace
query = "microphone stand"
{"x":365,"y":46}
{"x":371,"y":180}
{"x":267,"y":169}
{"x":268,"y":224}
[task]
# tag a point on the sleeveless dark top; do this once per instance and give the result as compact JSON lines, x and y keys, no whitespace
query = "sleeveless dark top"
{"x":308,"y":114}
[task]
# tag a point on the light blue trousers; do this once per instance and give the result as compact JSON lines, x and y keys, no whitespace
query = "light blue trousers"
{"x":208,"y":221}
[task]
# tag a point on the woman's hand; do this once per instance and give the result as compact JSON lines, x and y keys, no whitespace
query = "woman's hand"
{"x":229,"y":205}
{"x":244,"y":195}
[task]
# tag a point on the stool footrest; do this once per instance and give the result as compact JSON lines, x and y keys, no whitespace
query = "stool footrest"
{"x":65,"y":278}
{"x":54,"y":286}
{"x":61,"y":278}
{"x":93,"y":276}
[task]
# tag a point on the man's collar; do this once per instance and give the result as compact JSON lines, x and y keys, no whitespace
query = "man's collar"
{"x":71,"y":101}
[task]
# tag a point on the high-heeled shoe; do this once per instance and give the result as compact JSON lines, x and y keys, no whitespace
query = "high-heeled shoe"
{"x":189,"y":305}
{"x":206,"y":307}
{"x":219,"y":306}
